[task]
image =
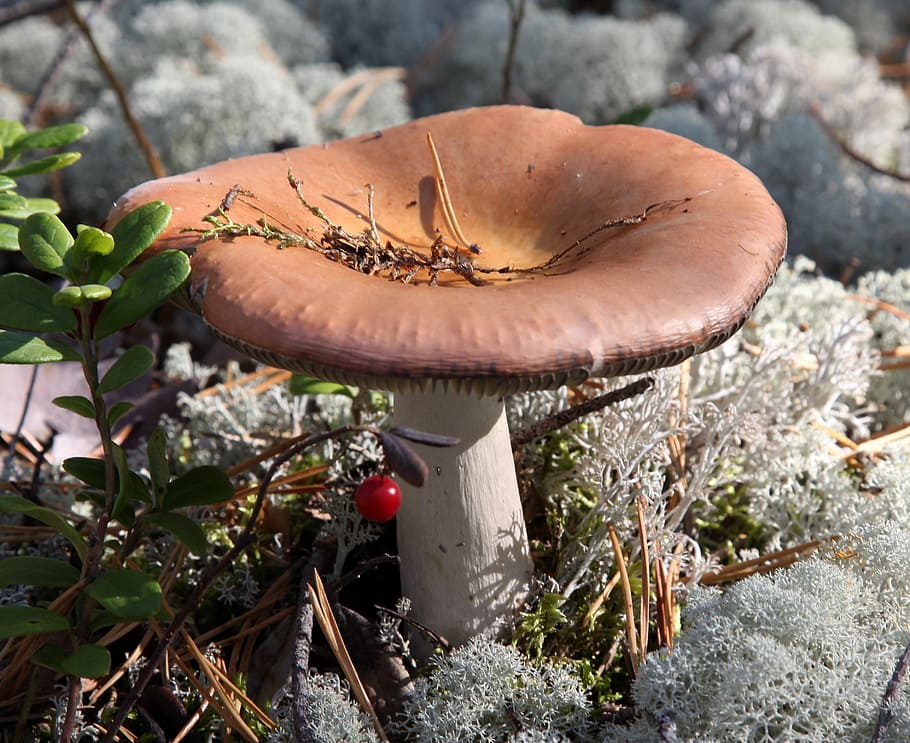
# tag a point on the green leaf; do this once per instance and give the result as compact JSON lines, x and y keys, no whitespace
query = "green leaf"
{"x":91,"y":245}
{"x":88,"y":661}
{"x":17,"y":504}
{"x":77,"y":296}
{"x":123,"y":509}
{"x":184,"y":528}
{"x":11,"y":203}
{"x":135,"y":362}
{"x":37,"y":571}
{"x":201,"y":486}
{"x":301,"y":385}
{"x":30,"y":207}
{"x":118,"y":410}
{"x":10,"y":131}
{"x":6,"y":183}
{"x":132,"y":235}
{"x":50,"y":655}
{"x":52,"y":136}
{"x":17,"y":621}
{"x":159,"y":469}
{"x":90,"y":470}
{"x":127,"y":594}
{"x":143,"y":290}
{"x":28,"y":304}
{"x":19,"y":348}
{"x":96,"y":292}
{"x":9,"y":236}
{"x":44,"y":164}
{"x":39,"y":205}
{"x":76,"y":404}
{"x":634,"y":116}
{"x":69,"y":297}
{"x":45,"y":242}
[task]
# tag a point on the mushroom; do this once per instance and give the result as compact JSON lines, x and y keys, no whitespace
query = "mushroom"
{"x":613,"y":250}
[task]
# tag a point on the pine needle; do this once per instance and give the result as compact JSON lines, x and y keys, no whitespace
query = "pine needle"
{"x":322,"y":610}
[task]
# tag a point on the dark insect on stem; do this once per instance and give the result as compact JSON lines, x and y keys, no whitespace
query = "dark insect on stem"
{"x":228,"y":201}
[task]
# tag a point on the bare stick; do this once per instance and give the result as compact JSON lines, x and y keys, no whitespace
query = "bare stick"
{"x":516,"y":16}
{"x":886,"y":713}
{"x":144,"y":144}
{"x":849,"y":151}
{"x":564,"y":417}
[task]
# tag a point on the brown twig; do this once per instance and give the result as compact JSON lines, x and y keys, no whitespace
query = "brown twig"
{"x":564,"y":417}
{"x":849,"y":150}
{"x":57,"y":64}
{"x":16,"y":11}
{"x":516,"y":16}
{"x":437,"y":639}
{"x":366,"y":254}
{"x":145,"y":144}
{"x":886,"y":712}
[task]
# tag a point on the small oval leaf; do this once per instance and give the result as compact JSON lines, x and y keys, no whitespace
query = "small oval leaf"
{"x":135,"y":362}
{"x":187,"y":531}
{"x":52,"y":136}
{"x":301,"y":385}
{"x":132,"y":235}
{"x":9,"y":237}
{"x":17,"y":621}
{"x":91,"y":245}
{"x":96,"y":292}
{"x":21,"y":348}
{"x":17,"y":504}
{"x":28,"y":304}
{"x":10,"y":131}
{"x":76,"y":404}
{"x":69,"y":297}
{"x":127,"y":594}
{"x":201,"y":486}
{"x":90,"y":470}
{"x":403,"y":460}
{"x":45,"y":241}
{"x":50,"y":655}
{"x":44,"y":165}
{"x":118,"y":410}
{"x":159,"y":468}
{"x":143,"y":290}
{"x":37,"y":571}
{"x":88,"y":661}
{"x":422,"y":437}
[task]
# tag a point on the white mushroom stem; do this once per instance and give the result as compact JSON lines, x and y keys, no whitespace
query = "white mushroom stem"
{"x":462,"y":541}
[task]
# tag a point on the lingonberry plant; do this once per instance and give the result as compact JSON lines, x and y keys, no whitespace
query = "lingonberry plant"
{"x":40,"y":323}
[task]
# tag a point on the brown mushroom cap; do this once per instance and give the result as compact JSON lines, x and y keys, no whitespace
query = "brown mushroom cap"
{"x":526,"y":184}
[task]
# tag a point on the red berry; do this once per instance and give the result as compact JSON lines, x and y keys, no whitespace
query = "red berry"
{"x":378,"y":498}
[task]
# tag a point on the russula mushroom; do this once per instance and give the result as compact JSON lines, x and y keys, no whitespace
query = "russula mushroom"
{"x":622,"y":248}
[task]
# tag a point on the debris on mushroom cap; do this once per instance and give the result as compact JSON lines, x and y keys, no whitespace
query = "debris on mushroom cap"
{"x":665,"y":247}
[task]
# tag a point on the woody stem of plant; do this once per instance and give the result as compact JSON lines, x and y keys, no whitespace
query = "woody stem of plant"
{"x":96,"y":544}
